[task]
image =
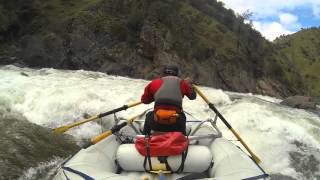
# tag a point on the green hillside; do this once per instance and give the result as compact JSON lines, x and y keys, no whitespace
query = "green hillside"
{"x":302,"y":48}
{"x":135,"y":38}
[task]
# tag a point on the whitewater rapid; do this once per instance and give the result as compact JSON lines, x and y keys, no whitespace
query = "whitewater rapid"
{"x":286,"y":139}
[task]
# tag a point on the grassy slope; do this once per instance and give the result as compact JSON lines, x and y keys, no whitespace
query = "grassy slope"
{"x":34,"y":16}
{"x":303,"y":49}
{"x":238,"y":43}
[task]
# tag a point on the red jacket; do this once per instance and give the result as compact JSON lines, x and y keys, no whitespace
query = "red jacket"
{"x":154,"y":85}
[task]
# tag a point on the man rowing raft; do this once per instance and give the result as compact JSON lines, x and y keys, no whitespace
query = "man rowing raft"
{"x":167,"y":92}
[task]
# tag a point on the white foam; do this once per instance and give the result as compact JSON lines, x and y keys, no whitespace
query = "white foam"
{"x":41,"y":169}
{"x":53,"y":98}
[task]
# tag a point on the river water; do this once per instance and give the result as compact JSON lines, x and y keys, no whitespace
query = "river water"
{"x":32,"y":102}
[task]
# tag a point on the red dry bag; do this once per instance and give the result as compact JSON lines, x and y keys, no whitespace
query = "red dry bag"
{"x":167,"y":144}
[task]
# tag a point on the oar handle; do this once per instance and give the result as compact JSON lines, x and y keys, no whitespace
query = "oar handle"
{"x":134,"y":104}
{"x":124,"y":107}
{"x":201,"y":94}
{"x":211,"y":106}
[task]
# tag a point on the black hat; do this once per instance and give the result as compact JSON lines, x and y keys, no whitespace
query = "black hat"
{"x":172,"y":70}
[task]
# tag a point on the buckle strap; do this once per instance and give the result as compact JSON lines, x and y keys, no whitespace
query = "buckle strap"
{"x":81,"y":174}
{"x":164,"y":159}
{"x":262,"y":176}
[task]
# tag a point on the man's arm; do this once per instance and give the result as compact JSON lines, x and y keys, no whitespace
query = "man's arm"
{"x":147,"y":97}
{"x":188,"y":90}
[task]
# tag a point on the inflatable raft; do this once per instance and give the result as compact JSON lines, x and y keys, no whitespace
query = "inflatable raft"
{"x":209,"y":156}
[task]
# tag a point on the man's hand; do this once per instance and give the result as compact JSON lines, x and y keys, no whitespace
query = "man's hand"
{"x":189,"y":80}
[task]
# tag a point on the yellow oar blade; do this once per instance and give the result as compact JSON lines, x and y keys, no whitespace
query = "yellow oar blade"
{"x":254,"y":157}
{"x":67,"y":127}
{"x":61,"y":129}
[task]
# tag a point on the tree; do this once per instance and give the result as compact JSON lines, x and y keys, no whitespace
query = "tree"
{"x":246,"y":16}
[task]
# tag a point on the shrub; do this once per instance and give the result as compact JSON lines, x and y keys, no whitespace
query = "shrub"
{"x":135,"y":20}
{"x":119,"y":30}
{"x":162,"y":12}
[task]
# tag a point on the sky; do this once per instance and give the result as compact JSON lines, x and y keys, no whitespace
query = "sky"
{"x":273,"y":18}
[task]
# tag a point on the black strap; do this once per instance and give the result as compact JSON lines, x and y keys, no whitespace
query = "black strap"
{"x":84,"y":176}
{"x":167,"y":165}
{"x":194,"y":176}
{"x":65,"y":162}
{"x":164,"y":159}
{"x":65,"y":175}
{"x":147,"y":157}
{"x":144,"y":164}
{"x":183,"y":159}
{"x":264,"y":173}
{"x":119,"y":168}
{"x":262,"y":176}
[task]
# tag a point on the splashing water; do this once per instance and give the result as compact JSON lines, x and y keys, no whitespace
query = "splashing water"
{"x":286,"y":139}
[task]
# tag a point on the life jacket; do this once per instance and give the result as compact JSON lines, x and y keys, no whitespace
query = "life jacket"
{"x":168,"y":94}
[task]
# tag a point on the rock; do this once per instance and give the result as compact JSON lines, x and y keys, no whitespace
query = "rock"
{"x":54,"y":49}
{"x":24,"y":74}
{"x":33,"y":52}
{"x":80,"y":45}
{"x":267,"y":87}
{"x":19,"y":64}
{"x":118,"y":69}
{"x":42,"y":51}
{"x":302,"y":102}
{"x":149,"y":42}
{"x":4,"y":60}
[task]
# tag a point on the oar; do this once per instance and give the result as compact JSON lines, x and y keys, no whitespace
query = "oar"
{"x":67,"y":127}
{"x":255,"y":158}
{"x":114,"y":129}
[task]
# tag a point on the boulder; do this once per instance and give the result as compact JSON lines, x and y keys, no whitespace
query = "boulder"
{"x":42,"y":51}
{"x":4,"y":60}
{"x":302,"y":102}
